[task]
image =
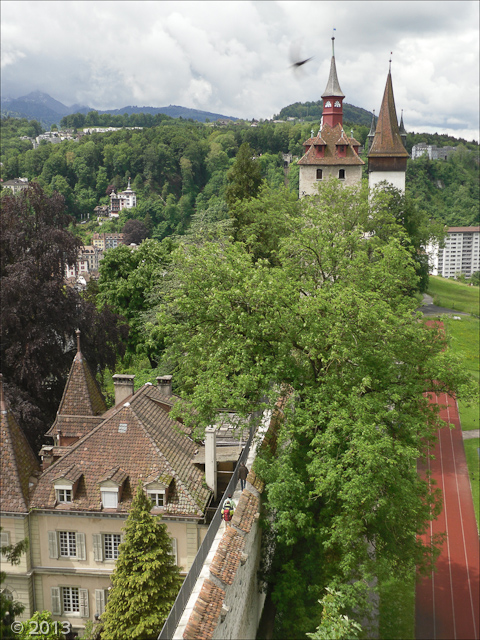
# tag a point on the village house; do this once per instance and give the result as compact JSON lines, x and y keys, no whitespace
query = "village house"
{"x":73,"y":508}
{"x":16,"y":185}
{"x":122,"y":200}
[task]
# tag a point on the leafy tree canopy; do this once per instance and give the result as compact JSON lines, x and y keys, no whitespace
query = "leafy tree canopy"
{"x":331,"y":326}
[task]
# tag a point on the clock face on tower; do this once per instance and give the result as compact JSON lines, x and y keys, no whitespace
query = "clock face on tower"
{"x":328,"y":103}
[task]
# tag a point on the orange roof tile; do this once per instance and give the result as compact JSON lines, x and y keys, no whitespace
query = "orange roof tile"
{"x":227,"y":558}
{"x":206,"y":613}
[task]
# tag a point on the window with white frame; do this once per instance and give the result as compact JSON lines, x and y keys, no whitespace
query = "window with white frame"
{"x":109,"y":499}
{"x":70,"y":600}
{"x":68,"y":544}
{"x":111,"y":542}
{"x":4,"y":540}
{"x":64,"y":494}
{"x":174,"y":549}
{"x":157,"y":498}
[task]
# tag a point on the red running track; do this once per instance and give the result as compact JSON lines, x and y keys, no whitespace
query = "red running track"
{"x":448,"y":603}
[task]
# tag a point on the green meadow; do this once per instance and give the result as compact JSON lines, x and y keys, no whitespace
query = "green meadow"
{"x":454,"y":295}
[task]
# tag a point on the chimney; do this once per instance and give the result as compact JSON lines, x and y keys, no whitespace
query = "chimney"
{"x":123,"y":387}
{"x":164,"y":384}
{"x":211,"y":459}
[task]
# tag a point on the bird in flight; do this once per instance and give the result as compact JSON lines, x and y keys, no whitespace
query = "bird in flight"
{"x":301,"y":62}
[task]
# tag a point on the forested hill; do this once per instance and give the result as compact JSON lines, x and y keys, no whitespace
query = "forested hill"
{"x":312,"y":111}
{"x":179,"y":167}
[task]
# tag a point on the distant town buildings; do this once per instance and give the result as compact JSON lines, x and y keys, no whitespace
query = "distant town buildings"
{"x":460,"y":255}
{"x":103,"y":241}
{"x":432,"y":151}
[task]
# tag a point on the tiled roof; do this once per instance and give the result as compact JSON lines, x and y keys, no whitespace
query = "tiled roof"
{"x":463,"y":229}
{"x":387,"y":142}
{"x":227,"y":559}
{"x":151,"y":445}
{"x":81,"y":402}
{"x":330,"y":136}
{"x":246,"y":512}
{"x":206,"y":614}
{"x":18,"y":462}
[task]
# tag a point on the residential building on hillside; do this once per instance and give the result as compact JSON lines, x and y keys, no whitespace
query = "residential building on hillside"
{"x":122,"y":200}
{"x":88,"y":261}
{"x":16,"y":185}
{"x":330,"y":153}
{"x":432,"y":151}
{"x":460,"y":254}
{"x":103,"y":241}
{"x":74,"y":506}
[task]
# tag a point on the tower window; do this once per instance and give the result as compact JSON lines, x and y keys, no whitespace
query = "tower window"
{"x":337,"y":103}
{"x":341,"y":174}
{"x":319,"y":174}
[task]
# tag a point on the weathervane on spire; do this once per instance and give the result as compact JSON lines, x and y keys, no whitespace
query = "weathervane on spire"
{"x":390,"y":62}
{"x":333,"y":42}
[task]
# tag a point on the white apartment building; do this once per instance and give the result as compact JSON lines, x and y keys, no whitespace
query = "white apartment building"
{"x":460,"y":255}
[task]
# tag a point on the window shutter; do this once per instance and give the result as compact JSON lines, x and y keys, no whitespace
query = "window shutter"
{"x":81,"y":551}
{"x":52,"y":545}
{"x":56,"y":607}
{"x":97,"y":547}
{"x":174,"y":549}
{"x":99,"y":601}
{"x":83,"y":594}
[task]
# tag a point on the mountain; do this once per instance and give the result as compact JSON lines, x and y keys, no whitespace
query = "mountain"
{"x":38,"y":105}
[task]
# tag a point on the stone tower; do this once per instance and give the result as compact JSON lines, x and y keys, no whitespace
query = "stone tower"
{"x":331,"y":153}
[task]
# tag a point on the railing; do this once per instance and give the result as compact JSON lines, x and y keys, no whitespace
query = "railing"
{"x":186,"y":589}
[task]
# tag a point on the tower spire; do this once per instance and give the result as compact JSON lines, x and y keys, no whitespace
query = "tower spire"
{"x":333,"y":96}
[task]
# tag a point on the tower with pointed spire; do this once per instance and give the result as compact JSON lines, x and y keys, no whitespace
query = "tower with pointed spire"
{"x":387,"y":157}
{"x":331,"y":153}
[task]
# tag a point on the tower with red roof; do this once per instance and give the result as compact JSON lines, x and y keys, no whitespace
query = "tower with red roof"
{"x":331,"y":153}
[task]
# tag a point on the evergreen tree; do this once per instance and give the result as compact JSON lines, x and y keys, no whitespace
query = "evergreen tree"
{"x":145,"y":581}
{"x":245,"y":177}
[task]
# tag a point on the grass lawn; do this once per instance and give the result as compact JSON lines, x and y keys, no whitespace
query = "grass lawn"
{"x":454,"y":295}
{"x":473,"y":462}
{"x":397,"y":609}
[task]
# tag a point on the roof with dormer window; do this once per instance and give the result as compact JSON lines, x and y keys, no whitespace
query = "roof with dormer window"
{"x":330,"y":137}
{"x":152,"y":445}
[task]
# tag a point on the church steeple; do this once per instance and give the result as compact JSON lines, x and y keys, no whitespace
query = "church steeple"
{"x":403,"y":133}
{"x":333,"y":96}
{"x":371,"y":133}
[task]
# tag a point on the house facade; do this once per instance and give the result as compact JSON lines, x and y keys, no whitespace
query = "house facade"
{"x":122,"y":200}
{"x":74,"y":506}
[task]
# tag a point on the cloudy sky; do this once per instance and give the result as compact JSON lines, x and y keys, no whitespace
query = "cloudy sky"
{"x":234,"y":58}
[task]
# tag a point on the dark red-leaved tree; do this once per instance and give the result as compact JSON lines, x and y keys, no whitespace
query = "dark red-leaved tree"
{"x":39,"y":313}
{"x":134,"y":231}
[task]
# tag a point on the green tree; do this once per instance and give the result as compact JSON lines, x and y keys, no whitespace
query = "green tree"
{"x":145,"y":581}
{"x":9,"y":608}
{"x":332,"y":324}
{"x":335,"y":624}
{"x":245,"y":177}
{"x":42,"y":625}
{"x":127,"y":276}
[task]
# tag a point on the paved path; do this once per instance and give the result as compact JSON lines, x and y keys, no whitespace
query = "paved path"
{"x":473,"y":433}
{"x":429,"y":309}
{"x":447,"y":603}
